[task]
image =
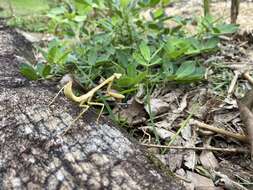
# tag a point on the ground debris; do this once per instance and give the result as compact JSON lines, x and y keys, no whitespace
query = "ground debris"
{"x":216,"y":108}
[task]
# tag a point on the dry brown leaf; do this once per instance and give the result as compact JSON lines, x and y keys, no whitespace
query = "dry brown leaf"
{"x":157,"y":106}
{"x":208,"y":160}
{"x":186,"y":132}
{"x":200,"y":182}
{"x":173,"y":159}
{"x":163,"y":133}
{"x":190,"y":159}
{"x":133,"y":112}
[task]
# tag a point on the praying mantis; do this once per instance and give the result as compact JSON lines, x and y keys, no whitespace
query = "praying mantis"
{"x":85,"y":99}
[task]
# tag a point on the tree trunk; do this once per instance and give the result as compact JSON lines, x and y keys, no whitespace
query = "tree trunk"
{"x":33,"y":154}
{"x":234,"y":10}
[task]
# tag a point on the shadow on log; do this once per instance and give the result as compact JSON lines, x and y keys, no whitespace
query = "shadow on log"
{"x":34,"y":156}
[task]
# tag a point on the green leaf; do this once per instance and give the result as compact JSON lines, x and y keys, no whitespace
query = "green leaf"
{"x":149,"y":3}
{"x":156,"y":61}
{"x":39,"y":68}
{"x":139,"y":59}
{"x":165,"y":2}
{"x":46,"y":70}
{"x":225,"y":29}
{"x":124,"y":3}
{"x":128,"y":81}
{"x":52,"y":54}
{"x":176,"y":47}
{"x":80,"y":18}
{"x":145,"y":51}
{"x":158,"y":13}
{"x":186,"y":69}
{"x":188,"y":72}
{"x":43,"y":69}
{"x":28,"y":71}
{"x":56,"y":11}
{"x":92,"y":56}
{"x":200,"y":46}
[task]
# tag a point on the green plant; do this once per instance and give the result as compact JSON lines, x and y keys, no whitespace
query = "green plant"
{"x":31,"y":23}
{"x":99,"y":38}
{"x":35,"y":72}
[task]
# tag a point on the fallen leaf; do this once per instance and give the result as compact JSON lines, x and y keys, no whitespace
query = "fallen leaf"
{"x":173,"y":159}
{"x":200,"y":182}
{"x":190,"y":159}
{"x":187,"y":132}
{"x":172,"y":96}
{"x":183,"y":104}
{"x":157,"y":106}
{"x":208,"y":160}
{"x":162,"y":133}
{"x":133,"y":112}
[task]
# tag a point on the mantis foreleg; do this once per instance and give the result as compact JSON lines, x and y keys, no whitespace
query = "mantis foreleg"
{"x":113,"y":94}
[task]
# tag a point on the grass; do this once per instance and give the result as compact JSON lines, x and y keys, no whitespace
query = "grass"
{"x":22,"y":7}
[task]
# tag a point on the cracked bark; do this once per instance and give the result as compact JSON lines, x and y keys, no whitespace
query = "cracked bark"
{"x":34,"y":156}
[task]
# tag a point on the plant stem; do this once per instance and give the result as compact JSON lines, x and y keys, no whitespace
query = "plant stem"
{"x":206,"y":7}
{"x":151,"y":115}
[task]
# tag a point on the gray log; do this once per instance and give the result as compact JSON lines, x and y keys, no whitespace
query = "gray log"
{"x":34,"y":156}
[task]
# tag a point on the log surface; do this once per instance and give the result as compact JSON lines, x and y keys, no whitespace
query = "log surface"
{"x":33,"y":154}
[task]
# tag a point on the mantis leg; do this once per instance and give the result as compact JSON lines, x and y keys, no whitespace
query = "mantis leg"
{"x":58,"y":93}
{"x":85,"y":108}
{"x":97,"y":104}
{"x":113,"y":94}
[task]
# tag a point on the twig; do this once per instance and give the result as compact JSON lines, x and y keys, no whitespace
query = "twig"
{"x":220,"y":131}
{"x":233,"y":83}
{"x":182,"y":178}
{"x":234,"y":150}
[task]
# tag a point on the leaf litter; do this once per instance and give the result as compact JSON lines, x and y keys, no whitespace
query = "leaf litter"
{"x":204,"y":157}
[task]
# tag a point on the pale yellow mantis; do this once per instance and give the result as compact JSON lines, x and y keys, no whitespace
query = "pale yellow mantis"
{"x":85,"y":99}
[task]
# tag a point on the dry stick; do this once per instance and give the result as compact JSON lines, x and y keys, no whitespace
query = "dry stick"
{"x":197,"y":148}
{"x":220,"y":131}
{"x":233,"y":83}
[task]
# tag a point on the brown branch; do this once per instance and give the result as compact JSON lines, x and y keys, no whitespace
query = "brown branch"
{"x":220,"y":131}
{"x":198,"y":148}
